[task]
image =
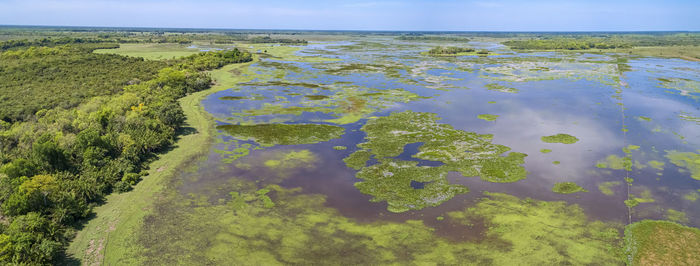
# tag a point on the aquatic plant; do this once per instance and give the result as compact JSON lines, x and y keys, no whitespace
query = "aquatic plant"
{"x":606,"y":187}
{"x":545,"y":150}
{"x":615,"y":162}
{"x":560,"y":138}
{"x":487,"y":117}
{"x":390,"y":179}
{"x":501,"y":88}
{"x":283,"y":134}
{"x":567,"y":188}
{"x":688,"y":160}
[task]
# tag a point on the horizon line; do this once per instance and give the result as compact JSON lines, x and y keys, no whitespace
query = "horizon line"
{"x":347,"y":30}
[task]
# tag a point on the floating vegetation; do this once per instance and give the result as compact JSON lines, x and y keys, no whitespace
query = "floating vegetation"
{"x":348,"y":103}
{"x":501,"y":88}
{"x":644,"y":118}
{"x":688,"y":160}
{"x":340,"y":148}
{"x":545,"y":151}
{"x":283,"y":134}
{"x":606,"y":187}
{"x":615,"y":162}
{"x":630,"y":148}
{"x":687,"y":117}
{"x":556,"y":162}
{"x":316,"y":97}
{"x":390,"y":179}
{"x":676,"y":216}
{"x":487,"y":117}
{"x":685,"y":87}
{"x":232,"y":98}
{"x":656,"y":165}
{"x":291,"y":160}
{"x":567,"y":188}
{"x":691,"y":196}
{"x":560,"y":138}
{"x":514,"y":71}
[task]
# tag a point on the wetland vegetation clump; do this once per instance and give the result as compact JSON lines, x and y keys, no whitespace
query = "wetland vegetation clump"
{"x":545,"y":151}
{"x":450,"y":51}
{"x":606,"y":187}
{"x":340,"y":148}
{"x":567,"y":188}
{"x":283,"y":134}
{"x":690,"y":161}
{"x":616,"y":163}
{"x":391,"y":178}
{"x":501,"y":88}
{"x":560,"y":138}
{"x":651,"y":242}
{"x":488,"y":117}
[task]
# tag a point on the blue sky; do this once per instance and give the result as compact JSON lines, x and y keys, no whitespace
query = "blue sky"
{"x":481,"y":15}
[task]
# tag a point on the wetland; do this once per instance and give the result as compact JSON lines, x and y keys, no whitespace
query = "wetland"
{"x":369,"y":150}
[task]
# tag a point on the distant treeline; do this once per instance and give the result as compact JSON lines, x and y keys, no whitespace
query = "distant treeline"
{"x":582,"y":42}
{"x":262,"y":39}
{"x":431,"y":38}
{"x":77,"y":126}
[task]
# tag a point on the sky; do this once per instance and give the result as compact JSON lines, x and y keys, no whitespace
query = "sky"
{"x":411,"y":15}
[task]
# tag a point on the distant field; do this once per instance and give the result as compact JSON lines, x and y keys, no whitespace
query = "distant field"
{"x":151,"y":51}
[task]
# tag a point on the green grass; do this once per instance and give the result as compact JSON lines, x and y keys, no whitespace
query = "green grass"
{"x":151,"y":51}
{"x":113,"y":229}
{"x":661,"y":243}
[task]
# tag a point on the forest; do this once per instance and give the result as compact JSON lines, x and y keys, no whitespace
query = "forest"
{"x":77,"y":126}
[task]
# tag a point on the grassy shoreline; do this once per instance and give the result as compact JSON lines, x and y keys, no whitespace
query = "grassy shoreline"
{"x":115,"y":222}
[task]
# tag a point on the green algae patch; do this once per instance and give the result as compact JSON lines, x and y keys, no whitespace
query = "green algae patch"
{"x":348,"y":104}
{"x":278,"y":226}
{"x":491,"y":102}
{"x":644,"y":118}
{"x":340,"y":148}
{"x":500,"y":88}
{"x":688,"y":160}
{"x":487,"y":117}
{"x":283,"y":134}
{"x":560,"y":138}
{"x":316,"y":97}
{"x":391,"y":179}
{"x":676,"y":216}
{"x":232,"y":98}
{"x":661,"y":243}
{"x":656,"y":165}
{"x":529,"y":232}
{"x":607,"y":187}
{"x":545,"y":151}
{"x":556,"y":162}
{"x":615,"y":162}
{"x":691,"y":196}
{"x":567,"y":188}
{"x":630,"y":148}
{"x":292,"y":160}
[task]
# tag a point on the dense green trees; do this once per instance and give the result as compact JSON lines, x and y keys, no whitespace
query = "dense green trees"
{"x":449,"y":50}
{"x":58,"y":160}
{"x":63,"y":76}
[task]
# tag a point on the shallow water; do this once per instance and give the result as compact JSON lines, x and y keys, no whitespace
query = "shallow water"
{"x":600,"y":99}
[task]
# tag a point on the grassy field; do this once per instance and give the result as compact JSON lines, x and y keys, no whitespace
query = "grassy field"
{"x":151,"y":51}
{"x":116,"y":222}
